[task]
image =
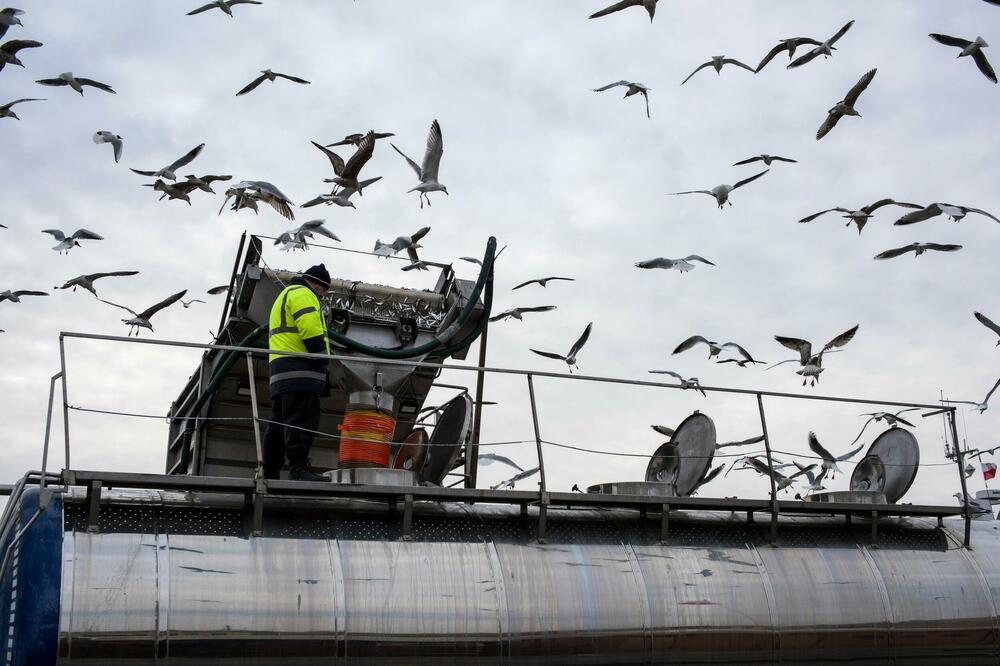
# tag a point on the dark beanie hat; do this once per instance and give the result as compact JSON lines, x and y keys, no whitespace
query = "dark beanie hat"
{"x":318,"y":274}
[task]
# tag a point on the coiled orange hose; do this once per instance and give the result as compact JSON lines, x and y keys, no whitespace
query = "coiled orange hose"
{"x":364,"y":438}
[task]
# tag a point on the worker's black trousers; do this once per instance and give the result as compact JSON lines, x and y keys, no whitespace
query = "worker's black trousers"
{"x":294,"y":418}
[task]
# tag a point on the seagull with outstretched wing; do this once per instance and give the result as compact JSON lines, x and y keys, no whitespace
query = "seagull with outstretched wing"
{"x":648,"y":5}
{"x":721,"y":192}
{"x":543,"y":281}
{"x":690,"y":383}
{"x":860,"y":216}
{"x":829,"y":460}
{"x":268,"y":75}
{"x":631,"y":88}
{"x":825,"y":49}
{"x":515,"y":313}
{"x":141,"y":319}
{"x":845,"y":107}
{"x":889,"y":417}
{"x":918,"y":249}
{"x":716,"y":63}
{"x":812,"y":364}
{"x":714,"y":348}
{"x":489,"y":458}
{"x":789,"y":45}
{"x":224,"y":5}
{"x":972,"y":48}
{"x":428,"y":171}
{"x":988,"y":323}
{"x":682,"y":265}
{"x":981,"y":406}
{"x":952,"y":211}
{"x":87,"y":281}
{"x":570,"y":358}
{"x":168,"y":172}
{"x":76,"y":83}
{"x":67,"y":243}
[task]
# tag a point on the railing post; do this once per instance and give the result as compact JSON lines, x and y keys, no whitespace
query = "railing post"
{"x":65,"y":396}
{"x":960,"y":460}
{"x":472,"y":461}
{"x":770,"y":469}
{"x":48,"y":427}
{"x":538,"y":437}
{"x":256,"y":416}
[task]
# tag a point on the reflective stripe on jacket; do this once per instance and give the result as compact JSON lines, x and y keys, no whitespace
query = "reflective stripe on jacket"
{"x":297,"y":325}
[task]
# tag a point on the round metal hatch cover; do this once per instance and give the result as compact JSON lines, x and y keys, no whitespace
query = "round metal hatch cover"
{"x":453,"y":428}
{"x":412,"y":453}
{"x":695,"y":440}
{"x":900,"y":453}
{"x":869,"y":475}
{"x":664,"y":465}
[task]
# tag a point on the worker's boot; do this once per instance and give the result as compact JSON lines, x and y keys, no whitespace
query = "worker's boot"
{"x":301,"y":471}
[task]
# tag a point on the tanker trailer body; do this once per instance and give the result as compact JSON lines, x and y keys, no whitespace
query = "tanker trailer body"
{"x":176,"y":578}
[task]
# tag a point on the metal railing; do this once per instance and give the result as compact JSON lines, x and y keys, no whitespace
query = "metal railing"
{"x":544,"y":497}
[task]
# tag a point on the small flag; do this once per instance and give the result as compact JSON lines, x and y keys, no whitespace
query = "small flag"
{"x":989,"y":470}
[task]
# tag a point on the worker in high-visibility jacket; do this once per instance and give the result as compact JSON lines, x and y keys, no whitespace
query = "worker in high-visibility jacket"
{"x":296,"y":325}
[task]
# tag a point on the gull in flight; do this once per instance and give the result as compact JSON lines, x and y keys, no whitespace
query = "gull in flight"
{"x":812,"y":364}
{"x":781,"y":482}
{"x":141,"y":319}
{"x":721,"y":192}
{"x":173,"y":190}
{"x":742,"y":442}
{"x":815,"y":482}
{"x":891,"y":418}
{"x":845,"y":107}
{"x":860,"y":216}
{"x":686,"y":384}
{"x":515,"y":313}
{"x":973,"y":48}
{"x":355,"y":139}
{"x":295,"y":239}
{"x":8,"y":51}
{"x":681,"y":265}
{"x":204,"y":183}
{"x":87,"y":281}
{"x":224,"y":5}
{"x":988,"y":323}
{"x":742,"y":362}
{"x":8,"y":17}
{"x":340,"y":196}
{"x":787,"y":45}
{"x":509,"y":483}
{"x":428,"y":172}
{"x":766,"y":159}
{"x":408,"y":243}
{"x":347,"y":172}
{"x":188,"y":304}
{"x":956,"y":213}
{"x":15,"y":296}
{"x":663,"y":430}
{"x":918,"y":249}
{"x":826,"y":48}
{"x":542,"y":281}
{"x":648,"y":5}
{"x":268,"y":75}
{"x":717,"y":62}
{"x":570,"y":358}
{"x":709,"y":476}
{"x":247,"y":193}
{"x":490,"y":458}
{"x":714,"y":348}
{"x":76,"y":83}
{"x":67,"y":243}
{"x":981,"y":406}
{"x":829,"y":460}
{"x":632,"y":89}
{"x":5,"y":110}
{"x":105,"y":136}
{"x":168,"y":172}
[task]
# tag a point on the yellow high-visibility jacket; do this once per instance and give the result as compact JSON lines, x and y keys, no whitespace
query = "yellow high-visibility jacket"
{"x":297,"y":325}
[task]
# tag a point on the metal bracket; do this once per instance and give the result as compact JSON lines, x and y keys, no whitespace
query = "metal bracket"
{"x":543,"y":509}
{"x":93,"y":505}
{"x":664,"y":523}
{"x":406,"y":532}
{"x":257,"y":506}
{"x":774,"y":522}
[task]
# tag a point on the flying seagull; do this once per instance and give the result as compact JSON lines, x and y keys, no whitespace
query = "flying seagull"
{"x":988,"y":323}
{"x":787,"y":45}
{"x":355,"y":139}
{"x":663,"y":430}
{"x":742,"y":362}
{"x":681,"y":265}
{"x":87,"y":281}
{"x":742,"y":442}
{"x":780,"y":480}
{"x":845,"y":107}
{"x":188,"y":304}
{"x":76,"y":83}
{"x":268,"y":75}
{"x":766,"y":159}
{"x":981,"y":406}
{"x":181,"y":191}
{"x":509,"y":483}
{"x":105,"y":136}
{"x":6,"y":112}
{"x":168,"y":171}
{"x":408,"y":243}
{"x":215,"y":291}
{"x":340,"y":196}
{"x":204,"y":183}
{"x":8,"y":51}
{"x":829,"y":460}
{"x":428,"y":171}
{"x":490,"y":458}
{"x":570,"y":358}
{"x":542,"y":281}
{"x":67,"y":243}
{"x":632,"y":89}
{"x":812,"y":364}
{"x":346,"y":173}
{"x":296,"y":238}
{"x":247,"y":193}
{"x":141,"y":319}
{"x":826,"y":48}
{"x":717,"y":62}
{"x":889,"y":417}
{"x":714,"y":348}
{"x":956,"y":213}
{"x":691,"y":383}
{"x":515,"y":313}
{"x":815,"y":482}
{"x":709,"y":476}
{"x":973,"y":48}
{"x":917,"y":249}
{"x":8,"y":17}
{"x":224,"y":5}
{"x":860,"y":216}
{"x":721,"y":192}
{"x":15,"y":296}
{"x":648,"y":5}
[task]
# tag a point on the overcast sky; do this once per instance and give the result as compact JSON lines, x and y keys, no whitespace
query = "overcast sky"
{"x":573,"y":182}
